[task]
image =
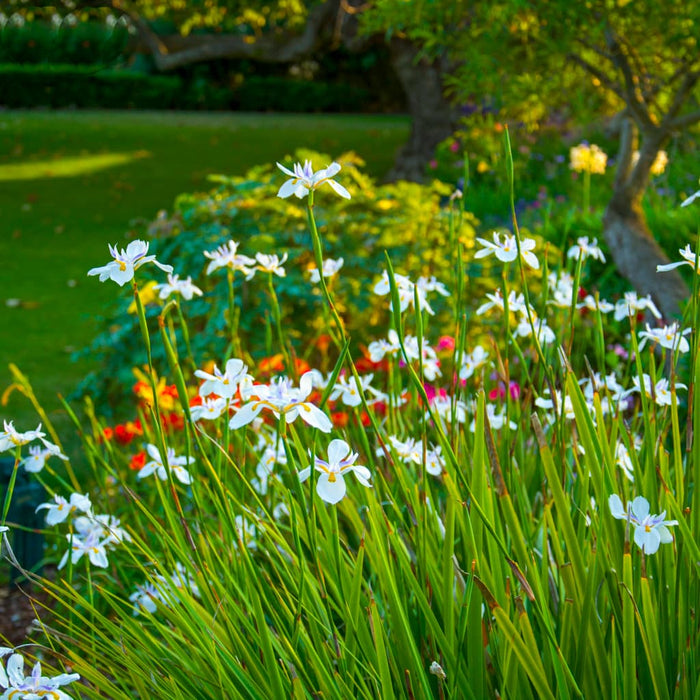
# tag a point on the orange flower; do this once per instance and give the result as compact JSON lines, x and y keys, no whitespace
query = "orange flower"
{"x":126,"y":432}
{"x":340,"y":419}
{"x":167,"y":394}
{"x":173,"y":421}
{"x":138,"y":461}
{"x":322,"y":342}
{"x":274,"y":363}
{"x":302,"y":366}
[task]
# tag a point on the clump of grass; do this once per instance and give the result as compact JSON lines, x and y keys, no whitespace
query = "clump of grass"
{"x":462,"y":523}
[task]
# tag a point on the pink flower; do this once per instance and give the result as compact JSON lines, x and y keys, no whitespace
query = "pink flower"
{"x":446,"y":342}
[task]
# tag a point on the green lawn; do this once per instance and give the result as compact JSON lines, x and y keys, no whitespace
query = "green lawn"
{"x":71,"y":182}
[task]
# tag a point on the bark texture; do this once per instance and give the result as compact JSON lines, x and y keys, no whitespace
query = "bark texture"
{"x":632,"y":245}
{"x":636,"y":255}
{"x":432,"y":117}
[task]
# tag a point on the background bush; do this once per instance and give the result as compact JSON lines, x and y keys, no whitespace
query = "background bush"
{"x":62,"y":41}
{"x":406,"y":219}
{"x":43,"y":85}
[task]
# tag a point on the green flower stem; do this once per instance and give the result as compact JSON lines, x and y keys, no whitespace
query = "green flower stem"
{"x":233,"y":313}
{"x":318,"y":256}
{"x":11,"y":485}
{"x":574,"y":298}
{"x":343,"y":340}
{"x":277,"y":316}
{"x":185,"y":335}
{"x":155,"y":409}
{"x":548,"y":372}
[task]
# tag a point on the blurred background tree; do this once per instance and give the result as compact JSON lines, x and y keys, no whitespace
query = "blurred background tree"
{"x":534,"y":61}
{"x":633,"y":63}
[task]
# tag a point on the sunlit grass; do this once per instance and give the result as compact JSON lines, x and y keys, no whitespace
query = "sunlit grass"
{"x":67,"y":167}
{"x":54,"y":228}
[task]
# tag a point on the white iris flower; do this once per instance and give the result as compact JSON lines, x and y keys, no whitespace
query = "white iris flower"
{"x":304,"y":180}
{"x":126,"y":262}
{"x":330,"y":485}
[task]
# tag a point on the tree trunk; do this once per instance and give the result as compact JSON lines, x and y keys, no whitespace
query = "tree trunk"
{"x":634,"y":250}
{"x":432,"y":117}
{"x":636,"y":255}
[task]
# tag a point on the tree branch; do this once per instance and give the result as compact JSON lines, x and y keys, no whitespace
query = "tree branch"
{"x":170,"y":52}
{"x":685,"y":120}
{"x":627,"y":140}
{"x":686,"y":87}
{"x":598,"y":74}
{"x":631,"y":93}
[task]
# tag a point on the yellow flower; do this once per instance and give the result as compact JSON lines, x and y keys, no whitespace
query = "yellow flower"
{"x":588,"y":159}
{"x":659,"y":164}
{"x":148,"y":294}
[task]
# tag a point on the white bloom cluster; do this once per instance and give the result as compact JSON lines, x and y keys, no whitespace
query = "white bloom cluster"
{"x":91,"y":534}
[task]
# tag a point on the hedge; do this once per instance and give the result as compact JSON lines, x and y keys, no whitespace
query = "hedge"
{"x":47,"y":85}
{"x":84,"y":86}
{"x":279,"y":94}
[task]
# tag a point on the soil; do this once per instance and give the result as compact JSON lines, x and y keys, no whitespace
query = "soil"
{"x":19,"y":607}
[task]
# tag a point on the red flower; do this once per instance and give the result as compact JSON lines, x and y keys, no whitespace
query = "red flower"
{"x":340,"y":419}
{"x":126,"y":432}
{"x":138,"y":461}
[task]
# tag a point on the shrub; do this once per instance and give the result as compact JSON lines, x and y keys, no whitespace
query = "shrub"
{"x":279,"y":94}
{"x":406,"y":219}
{"x":56,"y":86}
{"x":62,"y":41}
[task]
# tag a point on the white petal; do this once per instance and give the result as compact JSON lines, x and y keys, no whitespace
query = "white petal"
{"x":363,"y":474}
{"x":665,"y":535}
{"x":98,"y":557}
{"x":640,"y":507}
{"x":135,"y":248}
{"x":660,"y":268}
{"x":339,"y":189}
{"x":99,"y":270}
{"x":246,"y":414}
{"x":337,"y":450}
{"x":617,"y":510}
{"x":15,"y":669}
{"x":286,"y":171}
{"x":332,"y":169}
{"x":331,"y":492}
{"x":165,"y":268}
{"x":288,"y":189}
{"x":121,"y":277}
{"x":648,"y":541}
{"x":531,"y":260}
{"x":690,"y":199}
{"x":304,"y":474}
{"x":316,"y":417}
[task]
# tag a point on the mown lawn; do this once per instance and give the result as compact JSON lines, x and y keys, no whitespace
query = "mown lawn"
{"x":72,"y":182}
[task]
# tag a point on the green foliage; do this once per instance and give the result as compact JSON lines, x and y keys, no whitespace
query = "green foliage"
{"x":280,"y":94}
{"x":406,"y":219}
{"x":508,"y":573}
{"x":62,"y":41}
{"x":56,"y":86}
